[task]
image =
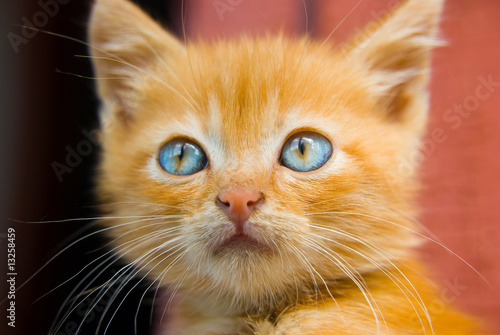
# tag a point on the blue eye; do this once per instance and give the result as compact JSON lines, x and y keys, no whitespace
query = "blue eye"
{"x":306,"y":151}
{"x":182,"y":157}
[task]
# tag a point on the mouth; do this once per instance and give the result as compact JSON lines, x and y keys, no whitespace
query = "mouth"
{"x":242,"y":242}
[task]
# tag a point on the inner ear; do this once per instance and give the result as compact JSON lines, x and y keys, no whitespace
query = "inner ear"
{"x":397,"y":101}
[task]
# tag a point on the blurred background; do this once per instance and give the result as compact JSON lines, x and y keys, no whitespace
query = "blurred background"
{"x":48,"y":111}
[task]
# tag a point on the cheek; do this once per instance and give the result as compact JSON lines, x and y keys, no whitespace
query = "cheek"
{"x":300,"y":191}
{"x":301,"y":197}
{"x":186,"y":198}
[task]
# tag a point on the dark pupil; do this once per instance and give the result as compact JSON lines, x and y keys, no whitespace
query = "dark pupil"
{"x":302,"y":147}
{"x":181,"y":152}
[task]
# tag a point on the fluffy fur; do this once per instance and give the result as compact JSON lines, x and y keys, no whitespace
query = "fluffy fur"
{"x":337,"y":242}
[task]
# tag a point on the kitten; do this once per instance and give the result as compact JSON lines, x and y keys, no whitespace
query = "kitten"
{"x":256,"y":180}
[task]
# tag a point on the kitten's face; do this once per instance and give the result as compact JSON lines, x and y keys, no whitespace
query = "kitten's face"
{"x":314,"y":136}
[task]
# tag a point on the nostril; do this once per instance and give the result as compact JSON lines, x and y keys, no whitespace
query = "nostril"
{"x":222,"y":203}
{"x":253,"y":203}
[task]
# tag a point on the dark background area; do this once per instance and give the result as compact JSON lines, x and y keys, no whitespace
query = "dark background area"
{"x":48,"y":105}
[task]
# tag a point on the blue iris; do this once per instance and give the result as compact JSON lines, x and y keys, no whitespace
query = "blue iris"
{"x":182,"y":157}
{"x":306,"y":151}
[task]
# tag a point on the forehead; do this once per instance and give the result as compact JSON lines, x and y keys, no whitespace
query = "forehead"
{"x":248,"y":92}
{"x":239,"y":98}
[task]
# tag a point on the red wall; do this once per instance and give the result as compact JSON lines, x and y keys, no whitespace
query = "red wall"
{"x":461,"y":199}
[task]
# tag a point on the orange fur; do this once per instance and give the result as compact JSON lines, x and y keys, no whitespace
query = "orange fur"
{"x":339,"y":257}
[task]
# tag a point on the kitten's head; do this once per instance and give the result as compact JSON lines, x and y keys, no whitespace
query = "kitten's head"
{"x":250,"y":168}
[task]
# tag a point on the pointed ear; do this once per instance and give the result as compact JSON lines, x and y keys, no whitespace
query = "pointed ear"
{"x":126,"y":47}
{"x":397,"y":58}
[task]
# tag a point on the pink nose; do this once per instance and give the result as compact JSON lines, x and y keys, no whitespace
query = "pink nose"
{"x":238,"y":205}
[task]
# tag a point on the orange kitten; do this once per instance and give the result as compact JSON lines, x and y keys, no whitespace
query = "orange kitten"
{"x":261,"y":175}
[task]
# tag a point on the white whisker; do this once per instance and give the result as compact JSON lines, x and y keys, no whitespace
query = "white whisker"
{"x":403,"y":288}
{"x":410,"y":230}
